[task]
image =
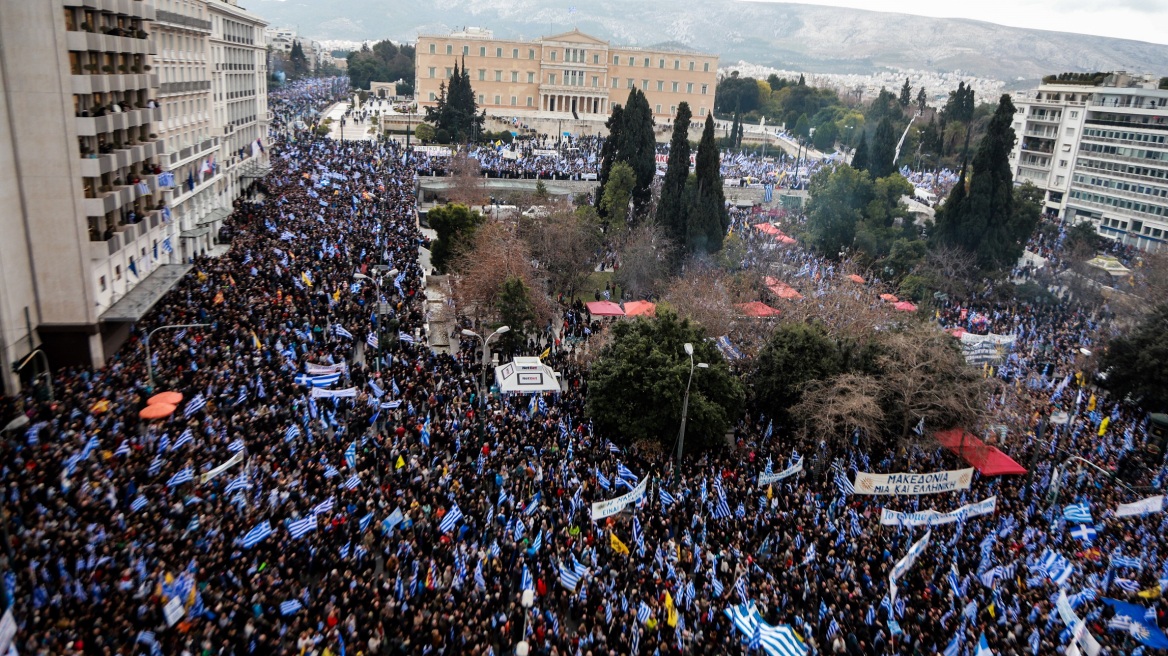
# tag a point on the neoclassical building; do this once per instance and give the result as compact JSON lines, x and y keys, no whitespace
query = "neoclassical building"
{"x":569,"y":75}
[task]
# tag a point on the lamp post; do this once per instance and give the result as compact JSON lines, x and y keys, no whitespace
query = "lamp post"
{"x":527,"y":600}
{"x":486,"y":357}
{"x":149,"y":364}
{"x":685,"y":411}
{"x":377,"y":283}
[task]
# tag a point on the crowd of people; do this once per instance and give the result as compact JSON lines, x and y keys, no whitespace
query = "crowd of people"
{"x":331,"y":485}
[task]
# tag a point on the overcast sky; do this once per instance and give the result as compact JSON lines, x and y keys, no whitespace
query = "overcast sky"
{"x":1142,"y":20}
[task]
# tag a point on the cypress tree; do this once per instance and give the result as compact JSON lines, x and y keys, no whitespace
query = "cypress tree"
{"x":708,"y":218}
{"x":671,"y":209}
{"x":860,"y":158}
{"x":882,"y":156}
{"x":905,"y":94}
{"x":638,"y":147}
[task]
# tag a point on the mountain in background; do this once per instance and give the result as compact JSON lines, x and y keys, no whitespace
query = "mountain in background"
{"x":789,"y":36}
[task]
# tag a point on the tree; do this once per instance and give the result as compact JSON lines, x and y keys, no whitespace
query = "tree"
{"x":705,"y":296}
{"x":614,"y":205}
{"x":636,"y":386}
{"x":960,"y":104}
{"x":637,"y":147}
{"x":300,"y":63}
{"x":838,"y":197}
{"x":468,"y":187}
{"x":836,"y":408}
{"x":1134,"y":362}
{"x":708,"y":218}
{"x":644,"y":261}
{"x":516,"y":311}
{"x":494,"y":256}
{"x":802,"y":127}
{"x":882,"y":154}
{"x":825,"y":136}
{"x":456,"y":226}
{"x":736,"y":92}
{"x":563,"y":243}
{"x":922,"y":100}
{"x":905,"y":94}
{"x":456,"y":110}
{"x":860,"y":157}
{"x":983,"y":219}
{"x":608,"y":150}
{"x":795,"y":355}
{"x":384,"y":62}
{"x":671,"y":209}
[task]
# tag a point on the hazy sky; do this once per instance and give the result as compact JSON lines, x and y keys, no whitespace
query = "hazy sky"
{"x":1142,"y":20}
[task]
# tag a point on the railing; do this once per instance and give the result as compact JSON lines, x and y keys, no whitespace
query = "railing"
{"x":178,"y":19}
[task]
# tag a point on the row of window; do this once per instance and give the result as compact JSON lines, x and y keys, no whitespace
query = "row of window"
{"x":1125,"y":136}
{"x":1120,"y":203}
{"x":1137,"y":227}
{"x":531,"y":103}
{"x":1124,"y":168}
{"x":575,"y":56}
{"x":1119,"y":185}
{"x":576,"y":79}
{"x":1136,"y":153}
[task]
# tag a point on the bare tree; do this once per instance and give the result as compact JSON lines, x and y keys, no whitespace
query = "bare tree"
{"x":644,"y":261}
{"x":563,"y":245}
{"x":836,"y":407}
{"x":706,"y":295}
{"x":950,"y":270}
{"x":496,"y":255}
{"x":468,"y":186}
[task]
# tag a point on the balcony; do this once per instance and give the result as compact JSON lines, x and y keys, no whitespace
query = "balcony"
{"x":106,"y":83}
{"x":189,"y":22}
{"x":90,"y":126}
{"x":94,"y":167}
{"x":168,"y":88}
{"x":134,"y":8}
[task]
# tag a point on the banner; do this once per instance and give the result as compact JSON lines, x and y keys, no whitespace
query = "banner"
{"x":766,"y":479}
{"x":313,"y":369}
{"x":1142,"y":507}
{"x":1078,"y":628}
{"x":894,"y":484}
{"x":901,"y":568}
{"x":212,"y":473}
{"x":602,"y":509}
{"x":934,"y":518}
{"x":322,"y":393}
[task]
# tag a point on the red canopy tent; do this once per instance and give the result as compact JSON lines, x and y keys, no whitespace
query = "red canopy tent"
{"x":891,"y":298}
{"x":856,"y":279}
{"x":785,"y":240}
{"x":640,"y":308}
{"x":767,"y":229}
{"x":904,"y":306}
{"x":605,"y":309}
{"x":757,"y":309}
{"x":781,"y":289}
{"x":989,"y":460}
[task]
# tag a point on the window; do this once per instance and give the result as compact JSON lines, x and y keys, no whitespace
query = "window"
{"x":647,"y":62}
{"x":615,"y":82}
{"x":595,"y":59}
{"x":660,"y":63}
{"x":515,"y":53}
{"x":1074,"y":114}
{"x":531,"y":53}
{"x":496,"y":100}
{"x":632,"y":84}
{"x":482,"y":74}
{"x":1059,"y":180}
{"x":702,"y":111}
{"x":514,"y":76}
{"x":101,"y":281}
{"x":616,"y":60}
{"x":514,"y":101}
{"x":482,"y":51}
{"x":705,"y":87}
{"x":632,"y":62}
{"x":431,"y":71}
{"x":691,"y":65}
{"x":595,"y":81}
{"x":529,"y":101}
{"x":499,"y":52}
{"x":432,"y":97}
{"x":689,"y":87}
{"x":530,"y":77}
{"x":482,"y":99}
{"x":553,"y":55}
{"x":432,"y":48}
{"x":657,"y":109}
{"x":118,"y":272}
{"x":676,"y":64}
{"x":660,"y":85}
{"x":498,"y":76}
{"x":466,"y":50}
{"x":675,"y":87}
{"x":644,"y":85}
{"x":449,"y":49}
{"x":551,"y":78}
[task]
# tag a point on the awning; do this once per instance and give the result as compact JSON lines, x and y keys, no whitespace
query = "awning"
{"x":138,"y":301}
{"x":526,"y":375}
{"x":605,"y":309}
{"x":219,"y":214}
{"x":194,"y":234}
{"x":989,"y":460}
{"x":256,"y":171}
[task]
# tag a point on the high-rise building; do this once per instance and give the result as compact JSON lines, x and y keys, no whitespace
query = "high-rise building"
{"x":126,"y":131}
{"x":567,"y":75}
{"x":1097,"y":145}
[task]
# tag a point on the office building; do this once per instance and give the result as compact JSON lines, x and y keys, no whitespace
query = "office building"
{"x":1047,"y":126}
{"x":569,"y":75}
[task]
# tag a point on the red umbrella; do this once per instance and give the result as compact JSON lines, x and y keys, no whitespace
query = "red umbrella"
{"x":158,"y":411}
{"x":173,"y":398}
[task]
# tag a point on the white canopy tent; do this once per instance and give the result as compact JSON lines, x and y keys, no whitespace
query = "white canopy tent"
{"x":526,"y":375}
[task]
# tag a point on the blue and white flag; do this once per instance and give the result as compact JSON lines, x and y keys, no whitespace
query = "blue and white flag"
{"x":351,"y":455}
{"x":257,"y":535}
{"x":194,"y":405}
{"x":138,"y":503}
{"x":303,"y":527}
{"x":182,"y":476}
{"x":341,"y":332}
{"x":1084,"y":532}
{"x":1078,"y":513}
{"x":453,"y":516}
{"x":983,"y":647}
{"x":290,"y":607}
{"x":371,"y":340}
{"x":1056,"y":566}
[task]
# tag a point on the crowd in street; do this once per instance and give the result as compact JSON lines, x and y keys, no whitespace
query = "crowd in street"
{"x":331,"y":485}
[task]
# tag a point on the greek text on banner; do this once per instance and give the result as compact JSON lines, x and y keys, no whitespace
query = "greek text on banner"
{"x":602,"y":509}
{"x":933,"y":518}
{"x":766,"y":479}
{"x":894,"y":484}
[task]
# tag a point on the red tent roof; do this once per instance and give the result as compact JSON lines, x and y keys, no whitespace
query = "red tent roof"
{"x":855,"y":278}
{"x":639,"y":308}
{"x":767,"y":228}
{"x":891,"y":298}
{"x":905,"y":306}
{"x":781,"y":289}
{"x":989,"y":460}
{"x":757,"y":309}
{"x":605,"y":309}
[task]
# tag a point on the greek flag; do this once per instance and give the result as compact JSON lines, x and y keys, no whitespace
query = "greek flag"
{"x":364,"y":522}
{"x":123,"y":450}
{"x":526,"y":582}
{"x":624,"y":473}
{"x":983,"y":647}
{"x":666,"y":499}
{"x":1056,"y":567}
{"x":324,"y":506}
{"x":138,"y":503}
{"x":954,"y":581}
{"x":183,"y":476}
{"x":1084,"y":532}
{"x":290,"y":607}
{"x":257,"y":535}
{"x":324,"y":380}
{"x":740,"y":588}
{"x":845,"y":486}
{"x":569,"y":578}
{"x":954,"y":647}
{"x":603,"y":481}
{"x":718,"y":587}
{"x":643,"y":613}
{"x":1077,"y":513}
{"x":426,"y":431}
{"x":451,"y":519}
{"x":351,"y":455}
{"x":480,"y":580}
{"x":613,"y":448}
{"x":377,"y":391}
{"x":186,"y":438}
{"x":1119,"y":560}
{"x":303,"y":527}
{"x":371,"y":340}
{"x":341,"y":332}
{"x":194,"y":405}
{"x":236,"y":446}
{"x":240,"y":483}
{"x":292,"y":433}
{"x":352,"y":483}
{"x":721,"y":508}
{"x":405,"y":337}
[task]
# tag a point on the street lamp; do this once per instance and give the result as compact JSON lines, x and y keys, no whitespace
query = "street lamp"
{"x":377,"y":283}
{"x":527,"y":600}
{"x":149,"y":364}
{"x":486,"y":357}
{"x":689,"y":350}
